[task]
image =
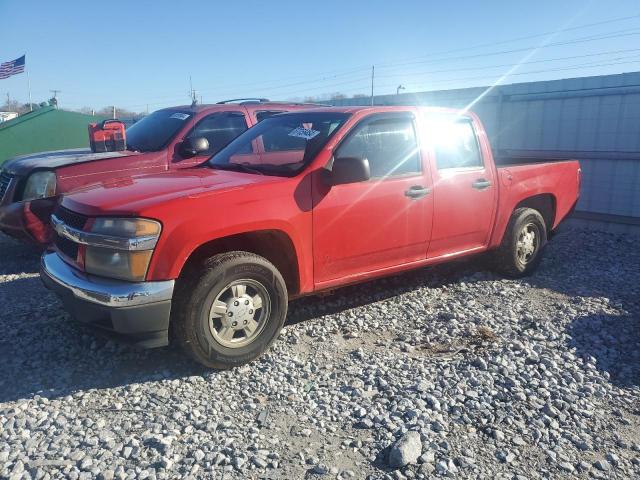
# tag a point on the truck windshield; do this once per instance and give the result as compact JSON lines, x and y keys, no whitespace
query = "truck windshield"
{"x":155,"y":131}
{"x":280,"y":145}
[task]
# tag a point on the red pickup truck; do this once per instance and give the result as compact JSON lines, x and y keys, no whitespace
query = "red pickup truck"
{"x":168,"y":139}
{"x":302,"y":202}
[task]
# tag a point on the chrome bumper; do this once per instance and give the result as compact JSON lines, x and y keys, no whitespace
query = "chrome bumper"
{"x":102,"y":291}
{"x":138,"y":313}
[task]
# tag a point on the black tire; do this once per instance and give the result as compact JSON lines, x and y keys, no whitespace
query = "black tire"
{"x":191,"y":322}
{"x":508,"y":258}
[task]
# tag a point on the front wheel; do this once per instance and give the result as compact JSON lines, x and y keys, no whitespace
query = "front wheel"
{"x":521,"y":249}
{"x":232,"y":311}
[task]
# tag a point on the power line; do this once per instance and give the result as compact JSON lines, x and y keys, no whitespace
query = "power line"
{"x":502,"y":42}
{"x":574,"y":41}
{"x":352,"y":72}
{"x":527,"y":37}
{"x":572,"y":57}
{"x":605,"y":36}
{"x":549,"y":70}
{"x":364,"y":87}
{"x":531,"y":72}
{"x":355,"y":70}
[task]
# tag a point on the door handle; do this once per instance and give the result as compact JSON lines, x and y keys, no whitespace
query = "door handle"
{"x":481,"y":184}
{"x":417,"y":191}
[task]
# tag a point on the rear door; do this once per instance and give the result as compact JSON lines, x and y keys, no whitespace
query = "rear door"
{"x":384,"y":222}
{"x":464,"y":185}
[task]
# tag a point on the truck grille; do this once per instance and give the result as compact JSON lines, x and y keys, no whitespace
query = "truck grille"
{"x":5,"y":180}
{"x":67,"y":247}
{"x":73,"y":219}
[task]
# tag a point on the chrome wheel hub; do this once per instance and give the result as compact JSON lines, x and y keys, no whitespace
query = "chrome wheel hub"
{"x":527,"y":244}
{"x":239,"y":313}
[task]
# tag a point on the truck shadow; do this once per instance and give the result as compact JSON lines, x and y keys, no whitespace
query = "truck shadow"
{"x":23,"y":258}
{"x":44,"y":353}
{"x":612,"y":342}
{"x":345,"y":298}
{"x":602,"y":270}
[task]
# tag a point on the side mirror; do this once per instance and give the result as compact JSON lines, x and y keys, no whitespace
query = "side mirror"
{"x":350,"y":170}
{"x":190,"y":147}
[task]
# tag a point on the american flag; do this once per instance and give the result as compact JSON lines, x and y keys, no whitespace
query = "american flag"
{"x":13,"y":67}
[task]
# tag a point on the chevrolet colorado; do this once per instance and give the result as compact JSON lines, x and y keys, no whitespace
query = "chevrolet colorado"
{"x":302,"y":202}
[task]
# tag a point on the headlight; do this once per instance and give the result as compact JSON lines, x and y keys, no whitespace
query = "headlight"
{"x":121,"y":247}
{"x":40,"y":185}
{"x":126,"y":227}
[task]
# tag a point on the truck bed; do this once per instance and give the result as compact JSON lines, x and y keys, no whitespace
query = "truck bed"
{"x":557,"y":181}
{"x":503,"y":158}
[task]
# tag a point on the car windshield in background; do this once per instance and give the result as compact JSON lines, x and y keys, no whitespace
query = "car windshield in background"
{"x":155,"y":131}
{"x":280,"y":145}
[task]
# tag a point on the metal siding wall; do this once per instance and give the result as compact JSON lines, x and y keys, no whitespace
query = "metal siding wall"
{"x":560,"y":115}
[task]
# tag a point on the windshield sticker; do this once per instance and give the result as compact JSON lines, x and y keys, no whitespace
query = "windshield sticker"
{"x":180,"y":116}
{"x":301,"y":132}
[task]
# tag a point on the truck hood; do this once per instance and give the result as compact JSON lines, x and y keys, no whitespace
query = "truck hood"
{"x":24,"y":164}
{"x":132,"y":195}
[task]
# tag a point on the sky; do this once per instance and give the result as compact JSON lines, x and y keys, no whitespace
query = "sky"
{"x":141,"y":54}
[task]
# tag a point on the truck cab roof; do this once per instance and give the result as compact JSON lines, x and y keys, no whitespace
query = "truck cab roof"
{"x":249,"y":105}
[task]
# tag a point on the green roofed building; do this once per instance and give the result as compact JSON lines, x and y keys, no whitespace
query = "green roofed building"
{"x":44,"y":129}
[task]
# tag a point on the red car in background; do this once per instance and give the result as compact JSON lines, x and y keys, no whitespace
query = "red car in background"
{"x":169,"y":139}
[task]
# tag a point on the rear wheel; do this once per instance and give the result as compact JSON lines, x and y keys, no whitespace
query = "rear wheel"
{"x":524,"y":240}
{"x":232,"y":311}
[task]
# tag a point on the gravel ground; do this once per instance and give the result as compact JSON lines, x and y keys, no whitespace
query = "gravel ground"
{"x":449,"y":371}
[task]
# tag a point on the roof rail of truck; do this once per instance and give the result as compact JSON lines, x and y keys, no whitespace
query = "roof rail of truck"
{"x":244,"y":100}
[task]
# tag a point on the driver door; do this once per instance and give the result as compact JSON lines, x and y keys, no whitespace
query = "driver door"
{"x":380,"y":223}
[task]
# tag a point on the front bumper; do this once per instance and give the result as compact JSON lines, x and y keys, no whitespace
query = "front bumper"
{"x":138,"y":311}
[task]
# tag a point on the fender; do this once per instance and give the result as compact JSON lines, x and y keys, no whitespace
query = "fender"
{"x":520,"y":182}
{"x":171,"y":261}
{"x":192,"y":222}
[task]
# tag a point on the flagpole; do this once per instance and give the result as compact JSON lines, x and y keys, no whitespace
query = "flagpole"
{"x":29,"y":85}
{"x":28,"y":82}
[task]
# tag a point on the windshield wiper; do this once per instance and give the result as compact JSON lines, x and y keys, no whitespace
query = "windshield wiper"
{"x":243,"y":167}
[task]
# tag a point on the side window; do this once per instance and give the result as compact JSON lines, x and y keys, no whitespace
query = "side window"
{"x":388,"y":143}
{"x":219,"y":129}
{"x":266,"y":114}
{"x":455,"y":144}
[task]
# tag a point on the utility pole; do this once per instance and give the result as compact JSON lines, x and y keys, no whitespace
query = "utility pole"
{"x":373,"y":72}
{"x":55,"y":96}
{"x":192,"y":93}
